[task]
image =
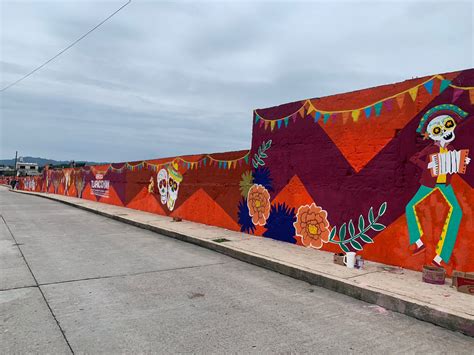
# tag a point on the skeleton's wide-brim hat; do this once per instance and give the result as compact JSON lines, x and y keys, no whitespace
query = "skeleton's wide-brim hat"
{"x":175,"y":175}
{"x":446,"y":109}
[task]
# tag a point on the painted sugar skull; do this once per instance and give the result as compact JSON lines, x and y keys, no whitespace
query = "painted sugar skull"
{"x":162,"y":179}
{"x":174,"y":179}
{"x":441,"y":129}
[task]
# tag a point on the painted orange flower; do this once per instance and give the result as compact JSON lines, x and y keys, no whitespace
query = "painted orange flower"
{"x":258,"y":202}
{"x":312,"y":226}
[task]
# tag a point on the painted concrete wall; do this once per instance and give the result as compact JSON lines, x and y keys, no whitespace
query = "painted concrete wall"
{"x":339,"y":173}
{"x":200,"y":188}
{"x":333,"y":160}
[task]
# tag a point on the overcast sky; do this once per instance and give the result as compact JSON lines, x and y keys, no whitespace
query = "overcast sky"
{"x":171,"y":78}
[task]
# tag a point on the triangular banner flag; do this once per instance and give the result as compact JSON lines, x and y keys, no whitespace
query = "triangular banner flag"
{"x":301,"y":111}
{"x":310,"y":109}
{"x":220,"y":164}
{"x":246,"y":158}
{"x":293,"y":116}
{"x":368,"y":111}
{"x":456,"y":94}
{"x":471,"y":96}
{"x":257,"y":117}
{"x":389,"y":104}
{"x":345,"y":116}
{"x":444,"y":84}
{"x":266,"y":125}
{"x":429,"y":86}
{"x":279,"y":124}
{"x":317,"y":116}
{"x":286,"y":121}
{"x":378,"y":108}
{"x":326,"y":117}
{"x":413,"y":92}
{"x":401,"y":100}
{"x":355,"y":115}
{"x":261,"y":123}
{"x":272,"y":125}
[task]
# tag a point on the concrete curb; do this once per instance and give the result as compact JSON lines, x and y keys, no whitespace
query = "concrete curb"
{"x":389,"y":301}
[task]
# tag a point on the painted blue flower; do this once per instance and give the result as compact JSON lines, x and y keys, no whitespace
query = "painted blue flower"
{"x":280,"y":223}
{"x":244,"y":219}
{"x":261,"y":176}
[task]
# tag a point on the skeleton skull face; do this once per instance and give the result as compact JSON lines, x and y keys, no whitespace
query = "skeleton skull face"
{"x":173,"y":187}
{"x":162,"y":179}
{"x":441,"y":129}
{"x":174,"y":178}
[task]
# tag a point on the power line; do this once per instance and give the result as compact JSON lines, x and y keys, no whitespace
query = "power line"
{"x":65,"y":49}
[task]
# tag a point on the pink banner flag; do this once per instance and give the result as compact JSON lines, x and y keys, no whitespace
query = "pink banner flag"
{"x":456,"y":94}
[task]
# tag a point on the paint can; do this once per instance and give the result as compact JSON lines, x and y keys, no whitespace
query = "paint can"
{"x":338,"y":259}
{"x":434,"y":275}
{"x":359,"y":263}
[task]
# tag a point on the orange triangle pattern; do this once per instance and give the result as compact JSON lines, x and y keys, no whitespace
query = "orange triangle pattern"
{"x":201,"y":208}
{"x":145,"y":201}
{"x":294,"y":194}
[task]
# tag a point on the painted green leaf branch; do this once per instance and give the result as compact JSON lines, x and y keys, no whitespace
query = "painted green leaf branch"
{"x":354,"y":239}
{"x":260,"y":155}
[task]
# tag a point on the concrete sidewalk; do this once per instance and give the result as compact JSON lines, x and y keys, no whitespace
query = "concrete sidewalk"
{"x":395,"y":289}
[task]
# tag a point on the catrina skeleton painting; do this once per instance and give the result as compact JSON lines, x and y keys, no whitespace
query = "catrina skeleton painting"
{"x":439,"y":161}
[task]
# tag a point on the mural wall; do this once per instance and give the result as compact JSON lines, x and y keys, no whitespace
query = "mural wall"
{"x":200,"y":188}
{"x":382,"y":171}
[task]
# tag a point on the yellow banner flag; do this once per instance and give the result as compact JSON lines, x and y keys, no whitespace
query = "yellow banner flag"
{"x":471,"y":96}
{"x":413,"y":92}
{"x":272,"y":125}
{"x":355,"y":115}
{"x":310,"y":108}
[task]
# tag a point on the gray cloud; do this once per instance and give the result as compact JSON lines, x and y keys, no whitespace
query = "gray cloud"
{"x":170,"y":78}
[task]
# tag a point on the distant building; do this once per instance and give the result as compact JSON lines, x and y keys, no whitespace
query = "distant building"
{"x":6,"y":170}
{"x":26,"y":169}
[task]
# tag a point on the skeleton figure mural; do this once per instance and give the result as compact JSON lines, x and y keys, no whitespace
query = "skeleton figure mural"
{"x":67,"y":181}
{"x":439,"y":162}
{"x":48,"y":180}
{"x":174,"y":179}
{"x":56,"y":181}
{"x":151,"y":186}
{"x":80,"y":182}
{"x":162,"y":180}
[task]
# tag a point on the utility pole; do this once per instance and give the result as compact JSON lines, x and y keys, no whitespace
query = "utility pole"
{"x":16,"y":158}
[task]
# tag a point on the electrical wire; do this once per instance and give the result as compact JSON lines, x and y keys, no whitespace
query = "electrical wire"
{"x":65,"y":49}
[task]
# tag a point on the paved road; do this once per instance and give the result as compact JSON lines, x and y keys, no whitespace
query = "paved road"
{"x":73,"y":281}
